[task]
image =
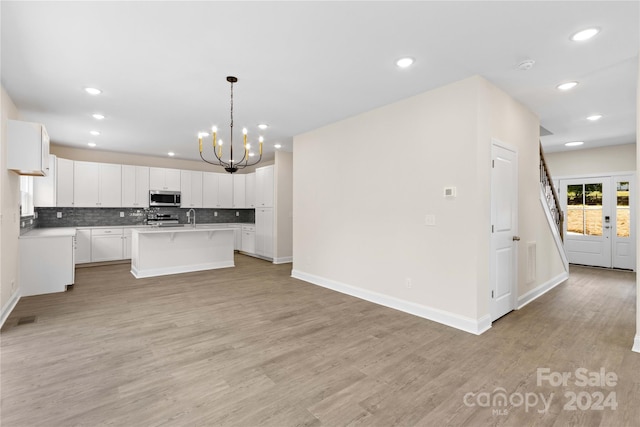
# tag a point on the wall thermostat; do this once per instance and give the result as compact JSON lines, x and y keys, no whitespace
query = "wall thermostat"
{"x":449,"y":191}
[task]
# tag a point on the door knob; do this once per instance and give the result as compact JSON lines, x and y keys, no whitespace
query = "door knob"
{"x":516,"y":238}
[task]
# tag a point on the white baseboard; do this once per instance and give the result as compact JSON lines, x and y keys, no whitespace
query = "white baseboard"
{"x":636,"y":344}
{"x":9,"y":306}
{"x":542,"y":289}
{"x":467,"y":324}
{"x":283,"y":260}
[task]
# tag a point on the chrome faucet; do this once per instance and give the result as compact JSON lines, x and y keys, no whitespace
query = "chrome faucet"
{"x":189,"y":213}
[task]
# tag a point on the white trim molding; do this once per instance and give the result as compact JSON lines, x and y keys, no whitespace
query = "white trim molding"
{"x":283,"y":260}
{"x":554,"y":229}
{"x":542,"y":289}
{"x":467,"y":324}
{"x":9,"y":306}
{"x":636,"y":344}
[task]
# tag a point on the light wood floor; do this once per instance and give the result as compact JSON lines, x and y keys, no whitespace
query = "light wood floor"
{"x":250,"y":346}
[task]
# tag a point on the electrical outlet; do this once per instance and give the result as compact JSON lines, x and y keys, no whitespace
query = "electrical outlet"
{"x":22,"y":224}
{"x":121,"y":214}
{"x":237,"y":213}
{"x":215,"y":213}
{"x":30,"y":222}
{"x":408,"y":282}
{"x":35,"y":215}
{"x":58,"y":214}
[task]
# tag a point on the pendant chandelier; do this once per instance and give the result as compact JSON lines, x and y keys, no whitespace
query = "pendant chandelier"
{"x":232,"y":165}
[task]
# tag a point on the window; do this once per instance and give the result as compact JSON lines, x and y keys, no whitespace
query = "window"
{"x":623,"y":214}
{"x":26,"y":195}
{"x":584,"y":209}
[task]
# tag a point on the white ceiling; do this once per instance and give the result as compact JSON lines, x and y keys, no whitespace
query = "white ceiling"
{"x":162,"y":66}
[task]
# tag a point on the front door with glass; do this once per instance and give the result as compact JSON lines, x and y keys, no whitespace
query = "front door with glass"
{"x":598,"y":221}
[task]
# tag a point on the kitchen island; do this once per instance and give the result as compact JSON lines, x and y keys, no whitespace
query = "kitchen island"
{"x":173,"y":250}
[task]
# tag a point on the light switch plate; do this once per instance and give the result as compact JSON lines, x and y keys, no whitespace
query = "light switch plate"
{"x":215,"y":214}
{"x":121,"y":214}
{"x":430,"y":220}
{"x":58,"y":214}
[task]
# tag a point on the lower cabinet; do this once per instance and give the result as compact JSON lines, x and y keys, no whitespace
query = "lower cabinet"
{"x":264,"y":232}
{"x":46,"y":265}
{"x":248,"y":239}
{"x":106,"y":244}
{"x":83,"y":246}
{"x":126,"y":243}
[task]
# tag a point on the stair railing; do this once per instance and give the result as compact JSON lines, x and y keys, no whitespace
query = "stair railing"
{"x":553,"y":201}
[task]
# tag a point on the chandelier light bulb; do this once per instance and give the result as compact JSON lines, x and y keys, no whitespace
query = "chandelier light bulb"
{"x":261,"y":139}
{"x":244,"y":131}
{"x":219,"y":142}
{"x":214,"y":129}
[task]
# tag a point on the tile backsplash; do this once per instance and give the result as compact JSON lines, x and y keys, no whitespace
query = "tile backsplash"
{"x":90,"y":217}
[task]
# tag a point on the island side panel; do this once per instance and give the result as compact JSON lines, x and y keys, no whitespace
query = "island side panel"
{"x":163,"y":252}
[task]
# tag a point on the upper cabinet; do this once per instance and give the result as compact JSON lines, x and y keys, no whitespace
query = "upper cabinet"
{"x":27,"y":148}
{"x":250,"y":190}
{"x":239,"y":191}
{"x":97,"y":185}
{"x":264,"y":187}
{"x":164,"y":179}
{"x":217,"y":190}
{"x":135,"y":186}
{"x":64,"y":183}
{"x":44,"y":187}
{"x":190,"y":189}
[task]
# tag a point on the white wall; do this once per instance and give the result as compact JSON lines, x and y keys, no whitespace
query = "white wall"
{"x":592,"y":161}
{"x":283,"y":230}
{"x":363,"y":186}
{"x":10,"y":223}
{"x":636,"y":345}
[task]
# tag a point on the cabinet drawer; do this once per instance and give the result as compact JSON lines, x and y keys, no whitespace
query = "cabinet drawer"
{"x":106,"y":232}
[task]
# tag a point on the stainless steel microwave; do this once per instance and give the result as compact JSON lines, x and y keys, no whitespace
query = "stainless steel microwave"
{"x":164,"y":198}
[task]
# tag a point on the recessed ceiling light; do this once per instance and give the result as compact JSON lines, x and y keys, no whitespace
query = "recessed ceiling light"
{"x":202,"y":134}
{"x":277,"y":146}
{"x":92,"y":91}
{"x":583,"y":35}
{"x":594,"y":117}
{"x":94,"y":133}
{"x":98,"y":116}
{"x":171,"y":154}
{"x":263,"y":126}
{"x":251,"y":154}
{"x":567,"y":86}
{"x":91,"y":144}
{"x":404,"y":62}
{"x":573,"y":144}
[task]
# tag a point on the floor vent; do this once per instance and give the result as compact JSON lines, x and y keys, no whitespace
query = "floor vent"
{"x":26,"y":320}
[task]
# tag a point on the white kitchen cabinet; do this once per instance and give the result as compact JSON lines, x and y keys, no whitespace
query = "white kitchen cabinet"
{"x":83,"y":246}
{"x":97,"y":185}
{"x":135,"y":186}
{"x":46,"y":264}
{"x":250,"y":190}
{"x":106,"y":244}
{"x":190,"y":189}
{"x":163,"y":179}
{"x":126,"y":243}
{"x":27,"y":148}
{"x":64,"y":183}
{"x":264,"y":232}
{"x":264,"y":187}
{"x":239,"y":191}
{"x":248,"y":239}
{"x":217,"y":190}
{"x":44,"y":187}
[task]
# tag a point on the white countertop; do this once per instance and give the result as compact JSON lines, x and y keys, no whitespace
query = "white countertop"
{"x":49,"y":232}
{"x":215,"y":224}
{"x":185,"y":229}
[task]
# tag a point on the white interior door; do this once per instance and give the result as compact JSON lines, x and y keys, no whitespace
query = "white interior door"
{"x":589,"y":219}
{"x":504,"y":220}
